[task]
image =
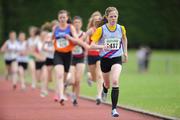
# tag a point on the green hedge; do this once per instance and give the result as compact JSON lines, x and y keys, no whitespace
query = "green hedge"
{"x":152,"y":22}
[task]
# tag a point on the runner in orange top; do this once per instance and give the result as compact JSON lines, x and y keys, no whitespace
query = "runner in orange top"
{"x":64,"y":39}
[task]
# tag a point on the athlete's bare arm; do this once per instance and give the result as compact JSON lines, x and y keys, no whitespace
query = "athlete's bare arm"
{"x":96,"y":46}
{"x":4,"y":47}
{"x":88,"y":33}
{"x":125,"y":43}
{"x":75,"y":38}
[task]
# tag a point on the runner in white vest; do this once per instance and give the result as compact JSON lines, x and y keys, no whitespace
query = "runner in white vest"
{"x":10,"y":53}
{"x":40,"y":58}
{"x":22,"y":58}
{"x":31,"y":61}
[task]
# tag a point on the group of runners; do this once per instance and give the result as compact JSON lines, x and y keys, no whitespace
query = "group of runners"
{"x":58,"y":50}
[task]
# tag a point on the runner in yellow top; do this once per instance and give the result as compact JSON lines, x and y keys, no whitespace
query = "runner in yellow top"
{"x":93,"y":57}
{"x":99,"y":33}
{"x":111,"y":39}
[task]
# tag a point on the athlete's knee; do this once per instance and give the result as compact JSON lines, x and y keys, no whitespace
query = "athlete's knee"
{"x":107,"y":85}
{"x":21,"y":73}
{"x":115,"y":83}
{"x":76,"y":83}
{"x":78,"y":76}
{"x":72,"y":82}
{"x":59,"y":76}
{"x":14,"y":71}
{"x":99,"y":77}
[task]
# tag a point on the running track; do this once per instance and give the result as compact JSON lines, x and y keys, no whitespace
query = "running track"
{"x":28,"y":105}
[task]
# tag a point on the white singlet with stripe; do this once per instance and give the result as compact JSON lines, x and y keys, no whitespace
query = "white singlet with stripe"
{"x":21,"y":47}
{"x":11,"y":52}
{"x":50,"y":46}
{"x":111,"y":39}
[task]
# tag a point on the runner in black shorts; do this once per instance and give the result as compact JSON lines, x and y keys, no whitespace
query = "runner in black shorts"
{"x":111,"y":39}
{"x":77,"y":64}
{"x":22,"y":58}
{"x":32,"y":41}
{"x":40,"y":57}
{"x":93,"y":57}
{"x":10,"y":50}
{"x":64,"y":38}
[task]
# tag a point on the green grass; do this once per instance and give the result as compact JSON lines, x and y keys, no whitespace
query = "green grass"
{"x":155,"y":91}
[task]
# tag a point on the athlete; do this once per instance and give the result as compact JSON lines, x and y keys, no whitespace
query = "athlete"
{"x":40,"y":58}
{"x":31,"y":60}
{"x":22,"y":58}
{"x":64,"y":39}
{"x":10,"y":50}
{"x":48,"y":47}
{"x":77,"y":65}
{"x":111,"y":40}
{"x":93,"y":56}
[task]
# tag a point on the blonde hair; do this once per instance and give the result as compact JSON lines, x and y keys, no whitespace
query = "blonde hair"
{"x":91,"y":19}
{"x":54,"y":22}
{"x":33,"y":28}
{"x":63,"y":11}
{"x":46,"y":26}
{"x":110,"y":9}
{"x":104,"y":19}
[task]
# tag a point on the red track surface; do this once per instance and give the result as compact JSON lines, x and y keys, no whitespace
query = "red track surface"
{"x":28,"y":105}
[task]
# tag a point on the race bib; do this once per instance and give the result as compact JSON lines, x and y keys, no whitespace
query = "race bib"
{"x":62,"y":43}
{"x":77,"y":50}
{"x":112,"y":43}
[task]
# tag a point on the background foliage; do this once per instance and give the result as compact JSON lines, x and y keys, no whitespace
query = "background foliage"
{"x":150,"y":22}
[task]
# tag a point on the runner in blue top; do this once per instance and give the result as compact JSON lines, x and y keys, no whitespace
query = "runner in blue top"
{"x":112,"y":42}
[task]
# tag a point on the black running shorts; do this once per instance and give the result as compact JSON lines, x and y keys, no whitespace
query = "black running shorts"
{"x":39,"y":64}
{"x":106,"y":63}
{"x":63,"y":59}
{"x":23,"y":64}
{"x":93,"y":59}
{"x":49,"y":62}
{"x":77,"y":60}
{"x":9,"y":62}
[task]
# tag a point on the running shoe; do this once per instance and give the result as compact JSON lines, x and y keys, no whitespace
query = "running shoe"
{"x":115,"y":113}
{"x":61,"y":101}
{"x":44,"y":94}
{"x":75,"y":102}
{"x":33,"y":86}
{"x":98,"y":101}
